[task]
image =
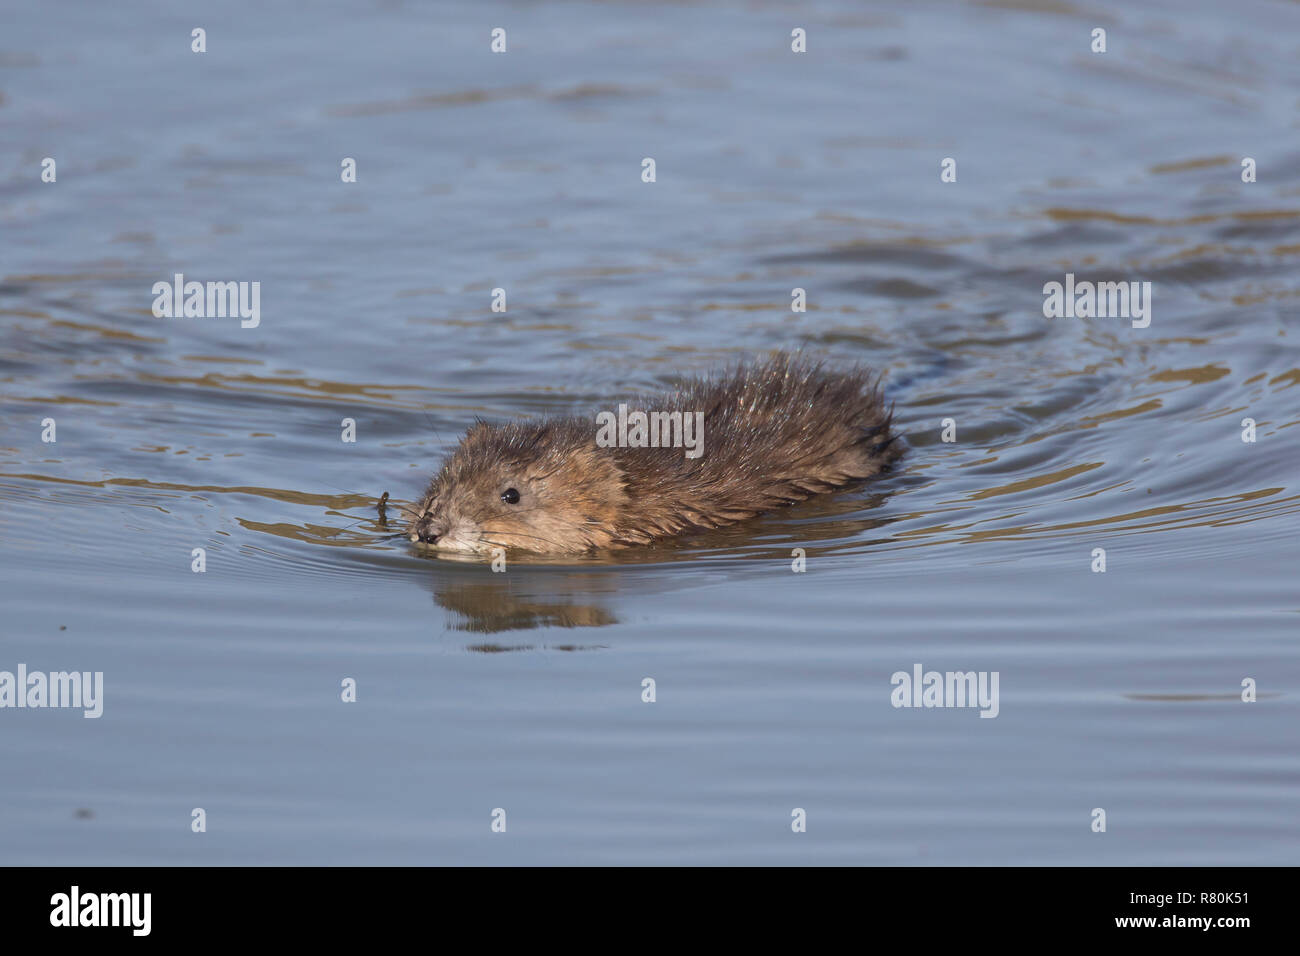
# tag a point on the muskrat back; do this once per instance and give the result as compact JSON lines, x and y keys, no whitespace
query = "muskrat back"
{"x":773,"y":433}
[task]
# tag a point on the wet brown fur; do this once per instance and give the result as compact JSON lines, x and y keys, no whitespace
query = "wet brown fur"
{"x":775,"y":432}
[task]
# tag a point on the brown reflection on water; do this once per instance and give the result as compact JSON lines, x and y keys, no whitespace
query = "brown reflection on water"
{"x":1189,"y":164}
{"x":1038,"y":481}
{"x":490,"y":603}
{"x":1207,"y":512}
{"x":346,"y":537}
{"x":476,"y":97}
{"x":1092,"y":421}
{"x":1197,"y":376}
{"x":334,"y":502}
{"x":1100,"y":215}
{"x":384,"y":395}
{"x":104,"y":331}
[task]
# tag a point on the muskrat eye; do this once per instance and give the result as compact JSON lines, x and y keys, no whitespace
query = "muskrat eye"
{"x":510,"y":496}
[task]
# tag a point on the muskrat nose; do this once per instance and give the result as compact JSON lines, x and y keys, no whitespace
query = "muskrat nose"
{"x":428,"y":530}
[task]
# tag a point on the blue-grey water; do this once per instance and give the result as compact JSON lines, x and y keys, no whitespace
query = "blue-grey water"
{"x":522,"y":691}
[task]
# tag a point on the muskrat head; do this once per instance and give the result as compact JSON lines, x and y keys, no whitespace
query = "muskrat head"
{"x":544,"y":488}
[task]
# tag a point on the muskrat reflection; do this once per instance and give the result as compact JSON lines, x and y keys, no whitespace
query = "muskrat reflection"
{"x":529,"y":596}
{"x":486,"y":603}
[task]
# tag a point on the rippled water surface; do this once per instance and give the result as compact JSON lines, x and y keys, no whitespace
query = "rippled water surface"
{"x":775,"y":170}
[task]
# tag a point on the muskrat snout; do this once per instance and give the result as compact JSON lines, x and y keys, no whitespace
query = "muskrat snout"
{"x":428,"y":528}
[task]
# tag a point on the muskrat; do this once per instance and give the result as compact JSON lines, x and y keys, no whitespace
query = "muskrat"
{"x":774,"y":433}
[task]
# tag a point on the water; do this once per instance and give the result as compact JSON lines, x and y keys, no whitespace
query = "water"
{"x":522,"y":691}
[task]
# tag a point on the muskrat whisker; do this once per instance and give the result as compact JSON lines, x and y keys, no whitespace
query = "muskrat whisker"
{"x":521,"y":534}
{"x":352,"y":525}
{"x":502,"y":544}
{"x":349,"y":491}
